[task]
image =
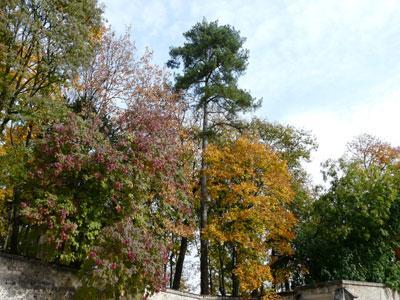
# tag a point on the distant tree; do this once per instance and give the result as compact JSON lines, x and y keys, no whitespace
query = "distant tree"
{"x":353,"y":231}
{"x":213,"y":58}
{"x":368,"y":150}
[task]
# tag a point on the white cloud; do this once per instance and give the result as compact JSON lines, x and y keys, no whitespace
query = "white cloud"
{"x":323,"y":65}
{"x":378,"y":116}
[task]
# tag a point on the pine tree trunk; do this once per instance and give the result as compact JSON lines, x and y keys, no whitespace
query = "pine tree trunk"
{"x":204,"y":286}
{"x":179,"y":264}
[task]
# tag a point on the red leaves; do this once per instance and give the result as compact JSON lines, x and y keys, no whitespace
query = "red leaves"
{"x":92,"y":179}
{"x":113,"y":266}
{"x":131,"y":256}
{"x":92,"y":254}
{"x":118,"y":185}
{"x":129,"y":250}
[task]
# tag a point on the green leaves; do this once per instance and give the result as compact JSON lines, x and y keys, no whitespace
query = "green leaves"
{"x":213,"y":59}
{"x":351,"y":234}
{"x":42,"y":44}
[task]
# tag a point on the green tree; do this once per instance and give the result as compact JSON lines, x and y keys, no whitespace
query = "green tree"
{"x":354,"y":228}
{"x":293,"y":146}
{"x":42,"y":43}
{"x":213,"y":59}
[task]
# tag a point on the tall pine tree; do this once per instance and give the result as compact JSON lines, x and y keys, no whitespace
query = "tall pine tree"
{"x":213,"y":59}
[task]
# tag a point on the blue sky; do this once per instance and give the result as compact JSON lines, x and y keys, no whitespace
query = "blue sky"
{"x":331,"y":67}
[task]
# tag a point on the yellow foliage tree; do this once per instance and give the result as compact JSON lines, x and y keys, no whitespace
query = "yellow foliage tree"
{"x":250,"y":190}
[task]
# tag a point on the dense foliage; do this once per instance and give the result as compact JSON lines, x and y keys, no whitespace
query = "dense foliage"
{"x":98,"y":167}
{"x":249,"y":216}
{"x":42,"y":43}
{"x":353,"y":229}
{"x":110,"y":167}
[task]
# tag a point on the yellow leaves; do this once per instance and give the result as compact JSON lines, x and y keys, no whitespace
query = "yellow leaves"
{"x":251,"y":275}
{"x":15,"y":135}
{"x":5,"y":193}
{"x":271,"y":295}
{"x":250,"y":184}
{"x":178,"y":229}
{"x":250,"y":189}
{"x":97,"y":33}
{"x":213,"y":232}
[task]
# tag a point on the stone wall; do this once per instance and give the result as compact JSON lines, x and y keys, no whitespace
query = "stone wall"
{"x":177,"y":295}
{"x":343,"y":290}
{"x":22,"y":278}
{"x":370,"y":290}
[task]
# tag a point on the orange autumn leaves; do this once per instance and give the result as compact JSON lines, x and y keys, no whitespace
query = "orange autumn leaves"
{"x":250,"y":190}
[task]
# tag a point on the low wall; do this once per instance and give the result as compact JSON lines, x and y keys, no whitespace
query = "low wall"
{"x":177,"y":295}
{"x":370,"y":290}
{"x":24,"y":278}
{"x":343,"y":290}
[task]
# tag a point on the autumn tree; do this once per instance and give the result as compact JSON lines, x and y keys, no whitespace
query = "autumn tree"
{"x":213,"y":59}
{"x":97,"y":181}
{"x":42,"y":43}
{"x":103,"y":86}
{"x":294,"y":146}
{"x":251,"y":191}
{"x":368,"y":150}
{"x":85,"y":195}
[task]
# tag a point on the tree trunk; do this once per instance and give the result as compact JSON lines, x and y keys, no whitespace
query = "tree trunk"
{"x":204,"y":286}
{"x":171,"y":268}
{"x":179,"y":264}
{"x":235,"y":279}
{"x":287,"y":285}
{"x":210,"y":276}
{"x":13,"y":248}
{"x":221,"y":272}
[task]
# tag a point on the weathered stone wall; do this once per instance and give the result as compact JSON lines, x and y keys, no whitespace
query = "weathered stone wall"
{"x":176,"y":295}
{"x":327,"y":291}
{"x":22,"y":278}
{"x":370,"y":290}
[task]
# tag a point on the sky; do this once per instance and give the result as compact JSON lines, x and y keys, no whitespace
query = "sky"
{"x":331,"y":67}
